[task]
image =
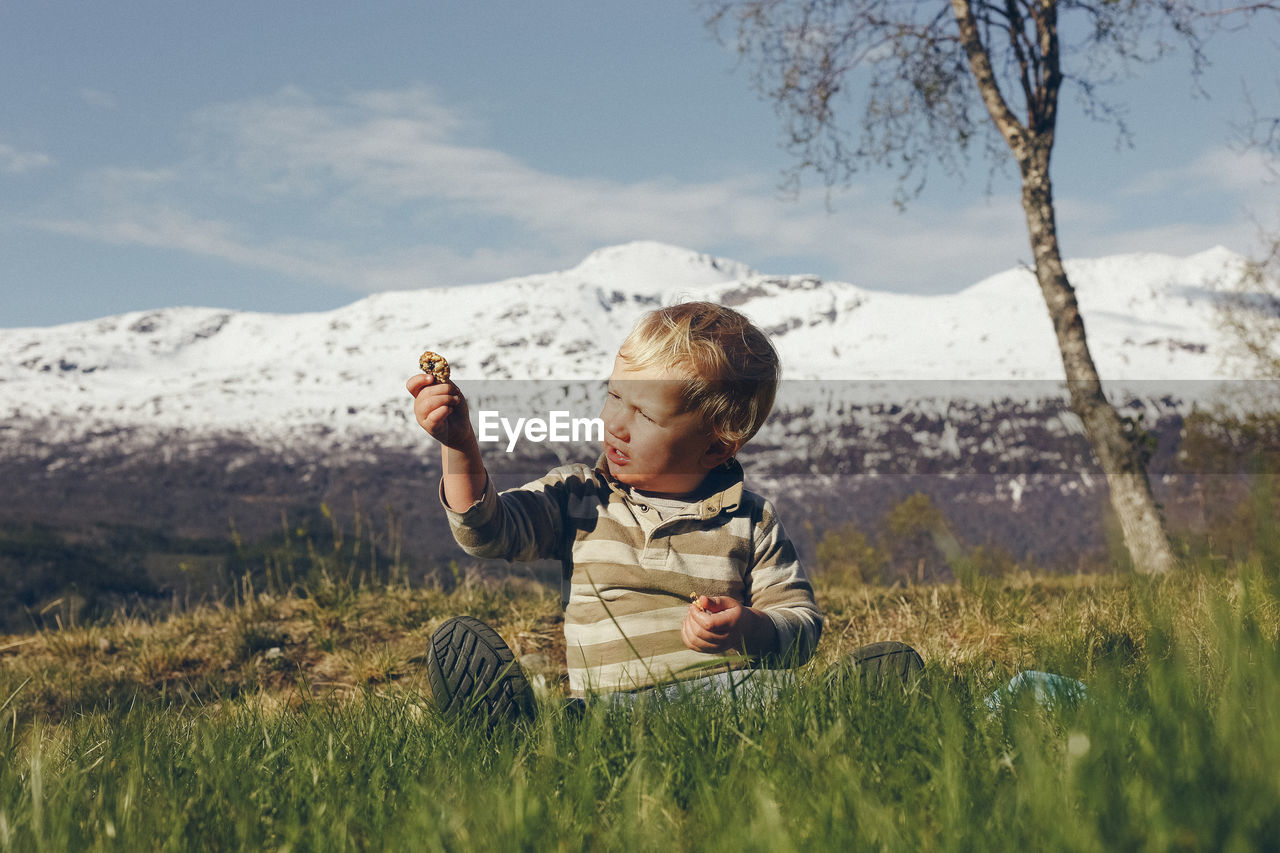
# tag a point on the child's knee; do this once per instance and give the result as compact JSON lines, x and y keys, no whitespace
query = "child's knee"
{"x":880,"y":665}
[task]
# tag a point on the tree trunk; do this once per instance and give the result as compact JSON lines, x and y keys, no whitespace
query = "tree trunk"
{"x":1131,"y":498}
{"x":1032,"y":144}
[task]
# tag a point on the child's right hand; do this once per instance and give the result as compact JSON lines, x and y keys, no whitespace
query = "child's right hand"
{"x":441,"y":410}
{"x":720,"y":624}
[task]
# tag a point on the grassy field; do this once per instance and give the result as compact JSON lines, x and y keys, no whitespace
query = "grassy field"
{"x":301,"y":720}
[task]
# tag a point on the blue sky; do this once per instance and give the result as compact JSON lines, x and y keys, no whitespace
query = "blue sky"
{"x":294,"y":156}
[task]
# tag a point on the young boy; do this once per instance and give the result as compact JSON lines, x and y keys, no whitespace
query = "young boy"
{"x":672,"y":571}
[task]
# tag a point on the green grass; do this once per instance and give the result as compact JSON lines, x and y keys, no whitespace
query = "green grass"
{"x":1176,"y":747}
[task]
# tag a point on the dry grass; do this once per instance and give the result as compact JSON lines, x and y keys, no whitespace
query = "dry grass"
{"x":327,"y":646}
{"x":336,"y":646}
{"x":999,"y":625}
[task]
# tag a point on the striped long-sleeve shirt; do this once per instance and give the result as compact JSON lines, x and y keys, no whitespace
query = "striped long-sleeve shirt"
{"x":628,"y":575}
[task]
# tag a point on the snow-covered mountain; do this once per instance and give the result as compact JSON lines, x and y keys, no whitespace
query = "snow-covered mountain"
{"x":156,"y":432}
{"x":270,"y":376}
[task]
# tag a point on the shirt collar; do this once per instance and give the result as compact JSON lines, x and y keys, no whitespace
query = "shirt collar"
{"x":721,"y":491}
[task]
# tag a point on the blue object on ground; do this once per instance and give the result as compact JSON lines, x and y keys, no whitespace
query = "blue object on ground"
{"x":1048,"y":689}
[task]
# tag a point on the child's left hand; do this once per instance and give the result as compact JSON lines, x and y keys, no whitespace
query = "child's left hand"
{"x":716,"y":624}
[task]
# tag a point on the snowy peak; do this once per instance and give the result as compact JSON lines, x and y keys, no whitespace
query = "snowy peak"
{"x":650,"y":266}
{"x":1148,"y":317}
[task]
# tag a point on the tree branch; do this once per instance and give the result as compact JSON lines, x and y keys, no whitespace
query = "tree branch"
{"x":1047,"y":29}
{"x":1015,"y":29}
{"x":1014,"y":132}
{"x":1250,"y":9}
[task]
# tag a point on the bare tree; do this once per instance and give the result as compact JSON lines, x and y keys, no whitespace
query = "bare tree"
{"x":1250,"y":310}
{"x":935,"y":77}
{"x":1250,"y":314}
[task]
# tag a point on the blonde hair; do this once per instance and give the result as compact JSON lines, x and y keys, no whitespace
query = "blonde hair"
{"x":735,"y":369}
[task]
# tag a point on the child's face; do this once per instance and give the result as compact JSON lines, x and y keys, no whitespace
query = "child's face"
{"x":651,"y":442}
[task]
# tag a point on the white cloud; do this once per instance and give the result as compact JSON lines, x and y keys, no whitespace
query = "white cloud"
{"x":1218,"y":169}
{"x":1116,"y":225}
{"x":16,"y":162}
{"x":1181,"y":238}
{"x":389,"y":189}
{"x":175,"y":229}
{"x":376,"y":155}
{"x":172,"y":229}
{"x":386,"y":149}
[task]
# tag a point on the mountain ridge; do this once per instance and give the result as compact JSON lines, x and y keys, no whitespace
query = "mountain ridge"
{"x":207,"y":368}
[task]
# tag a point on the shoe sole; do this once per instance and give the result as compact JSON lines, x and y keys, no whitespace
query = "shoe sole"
{"x":471,"y":670}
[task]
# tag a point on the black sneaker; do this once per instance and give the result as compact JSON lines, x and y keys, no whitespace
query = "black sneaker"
{"x":880,"y":665}
{"x":472,"y":670}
